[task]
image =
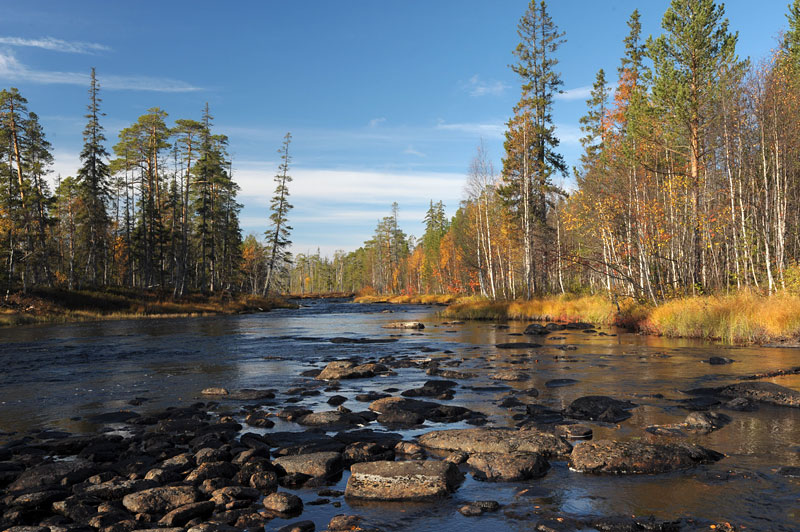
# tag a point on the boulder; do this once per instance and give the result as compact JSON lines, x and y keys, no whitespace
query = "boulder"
{"x":477,"y":508}
{"x":260,"y":419}
{"x":599,"y":408}
{"x":706,"y":421}
{"x":535,"y":329}
{"x":53,"y":474}
{"x":283,"y":503}
{"x":496,"y":440}
{"x":160,"y":500}
{"x":763,"y":392}
{"x":183,"y":514}
{"x":331,"y":418}
{"x":497,"y":467}
{"x":632,"y":457}
{"x":510,"y":375}
{"x":347,"y":369}
{"x":316,"y":465}
{"x":402,"y":481}
{"x":405,"y":325}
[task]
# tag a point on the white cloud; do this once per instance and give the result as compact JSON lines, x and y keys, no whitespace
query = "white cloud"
{"x":487,"y":130}
{"x":411,"y":151}
{"x":478,"y":87}
{"x":578,"y":93}
{"x":568,"y":133}
{"x":375,"y":122}
{"x":56,"y":45}
{"x":13,"y":70}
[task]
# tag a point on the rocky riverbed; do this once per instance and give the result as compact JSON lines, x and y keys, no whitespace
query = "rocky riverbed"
{"x":421,"y":437}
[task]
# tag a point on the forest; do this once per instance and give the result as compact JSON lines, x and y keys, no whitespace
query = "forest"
{"x":689,"y":184}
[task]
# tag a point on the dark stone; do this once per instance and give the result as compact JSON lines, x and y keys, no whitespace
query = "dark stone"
{"x":535,"y":329}
{"x":718,"y":361}
{"x":558,"y":383}
{"x":632,"y":457}
{"x":517,"y":345}
{"x":336,"y":400}
{"x":599,"y":408}
{"x":706,"y":421}
{"x":259,"y":418}
{"x":500,"y":467}
{"x":300,"y":526}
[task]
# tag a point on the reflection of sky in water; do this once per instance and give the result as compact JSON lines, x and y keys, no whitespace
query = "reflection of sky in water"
{"x":57,"y":372}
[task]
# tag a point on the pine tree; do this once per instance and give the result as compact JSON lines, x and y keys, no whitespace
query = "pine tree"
{"x":93,"y":183}
{"x":592,"y":124}
{"x":278,"y":234}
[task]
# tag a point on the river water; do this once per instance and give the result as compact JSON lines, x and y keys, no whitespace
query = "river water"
{"x":59,"y":376}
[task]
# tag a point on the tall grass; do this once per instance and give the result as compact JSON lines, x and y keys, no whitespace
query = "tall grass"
{"x":745,"y":317}
{"x":416,"y":299}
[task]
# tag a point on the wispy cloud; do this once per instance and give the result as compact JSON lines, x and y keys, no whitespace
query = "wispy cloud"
{"x":477,"y":87}
{"x":375,"y":122}
{"x":568,"y":133}
{"x":486,"y":130}
{"x":12,"y":70}
{"x":578,"y":93}
{"x":56,"y":45}
{"x":411,"y":151}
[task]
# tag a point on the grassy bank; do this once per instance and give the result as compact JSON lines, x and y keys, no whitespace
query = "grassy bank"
{"x":418,"y":299}
{"x":741,"y":318}
{"x":57,"y":305}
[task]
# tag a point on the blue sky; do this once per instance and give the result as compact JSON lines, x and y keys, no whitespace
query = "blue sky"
{"x":386,"y":101}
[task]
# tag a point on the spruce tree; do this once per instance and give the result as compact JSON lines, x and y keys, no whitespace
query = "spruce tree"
{"x":94,"y":187}
{"x":279,"y":231}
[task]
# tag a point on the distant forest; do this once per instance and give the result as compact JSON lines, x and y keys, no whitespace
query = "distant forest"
{"x":689,"y":183}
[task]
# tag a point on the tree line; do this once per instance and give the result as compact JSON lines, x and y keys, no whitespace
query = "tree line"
{"x":160,"y":213}
{"x":689,"y":181}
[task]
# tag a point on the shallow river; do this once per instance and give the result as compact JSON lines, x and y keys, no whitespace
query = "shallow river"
{"x":59,"y":376}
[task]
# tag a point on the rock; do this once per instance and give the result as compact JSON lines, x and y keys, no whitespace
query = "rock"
{"x":215,"y":391}
{"x":534,"y":329}
{"x":740,"y":404}
{"x":160,"y":500}
{"x":496,"y":467}
{"x":578,"y":325}
{"x":558,"y":383}
{"x":509,"y":375}
{"x":183,"y":514}
{"x":211,"y":527}
{"x":53,"y":474}
{"x":259,"y":418}
{"x":631,"y":457}
{"x":431,"y":388}
{"x":575,"y":432}
{"x":211,"y":470}
{"x":293,"y":413}
{"x":518,"y":345}
{"x":341,"y":523}
{"x":763,"y":392}
{"x":477,"y":508}
{"x":248,"y":394}
{"x":228,"y":494}
{"x":599,"y":408}
{"x":311,"y":441}
{"x":706,"y":421}
{"x":315,"y":465}
{"x":405,"y":325}
{"x":113,"y":490}
{"x":555,"y":326}
{"x":790,"y":471}
{"x":366,"y":452}
{"x":402,"y":481}
{"x":300,"y":526}
{"x":371,"y":396}
{"x":283,"y":503}
{"x":543,"y":415}
{"x":718,"y":361}
{"x":336,"y":400}
{"x":331,"y":418}
{"x":496,"y":440}
{"x":408,"y":448}
{"x":347,"y":369}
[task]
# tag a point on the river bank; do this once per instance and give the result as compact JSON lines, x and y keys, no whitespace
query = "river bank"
{"x":742,"y":318}
{"x":64,"y":306}
{"x":290,"y":418}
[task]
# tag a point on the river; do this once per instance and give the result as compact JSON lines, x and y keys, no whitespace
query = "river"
{"x":59,"y":376}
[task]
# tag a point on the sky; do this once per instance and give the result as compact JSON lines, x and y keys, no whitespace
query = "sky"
{"x":385,"y":101}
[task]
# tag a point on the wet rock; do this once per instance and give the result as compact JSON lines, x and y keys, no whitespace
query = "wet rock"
{"x":517,"y":345}
{"x":248,"y":394}
{"x":53,"y":474}
{"x":342,"y":523}
{"x":432,"y":388}
{"x":371,"y":396}
{"x":599,"y":408}
{"x":763,"y":392}
{"x":510,"y":375}
{"x":366,"y":452}
{"x":699,"y":403}
{"x":211,"y":527}
{"x":496,"y":467}
{"x":264,"y":481}
{"x":410,"y":449}
{"x":330,"y":418}
{"x":575,"y":432}
{"x":183,"y":514}
{"x":314,"y":441}
{"x":666,"y":430}
{"x":293,"y":413}
{"x":402,"y":481}
{"x":113,"y":490}
{"x":347,"y":369}
{"x":405,"y":325}
{"x":114,"y":417}
{"x":476,"y":508}
{"x":260,"y":419}
{"x":38,"y":499}
{"x":388,"y":439}
{"x":229,"y":494}
{"x":578,"y":325}
{"x":160,"y":500}
{"x":543,"y":415}
{"x":790,"y":471}
{"x":300,"y":526}
{"x":558,"y":383}
{"x":631,"y":457}
{"x":718,"y":361}
{"x":535,"y":329}
{"x":496,"y":440}
{"x":211,"y":470}
{"x":337,"y":400}
{"x":283,"y":503}
{"x":510,"y":402}
{"x":315,"y":465}
{"x":215,"y":391}
{"x":706,"y":421}
{"x":740,"y":404}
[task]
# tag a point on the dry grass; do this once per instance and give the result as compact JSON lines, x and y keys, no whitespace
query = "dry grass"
{"x":418,"y":299}
{"x":594,"y":309}
{"x":58,"y":306}
{"x":745,"y":317}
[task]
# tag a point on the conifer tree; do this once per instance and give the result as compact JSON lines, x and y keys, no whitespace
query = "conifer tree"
{"x":279,"y":231}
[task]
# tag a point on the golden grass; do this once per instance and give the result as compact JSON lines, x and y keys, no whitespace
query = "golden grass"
{"x":60,"y":306}
{"x":745,"y":317}
{"x":417,"y":299}
{"x":565,"y":308}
